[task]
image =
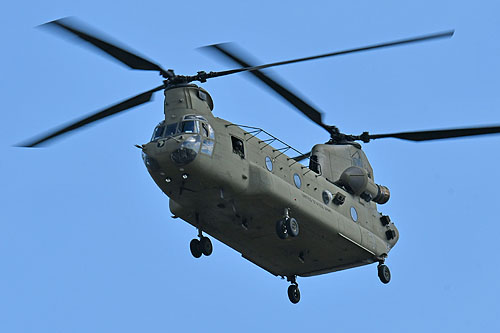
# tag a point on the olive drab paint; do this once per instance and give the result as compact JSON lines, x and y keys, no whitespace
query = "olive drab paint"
{"x":232,"y":195}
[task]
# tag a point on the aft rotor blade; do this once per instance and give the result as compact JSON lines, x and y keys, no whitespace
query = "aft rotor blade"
{"x":417,"y":39}
{"x":122,"y":106}
{"x":435,"y":134}
{"x":126,"y":57}
{"x":292,"y":98}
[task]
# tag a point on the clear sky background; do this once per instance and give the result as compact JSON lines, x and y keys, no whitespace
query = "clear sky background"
{"x":86,"y":239}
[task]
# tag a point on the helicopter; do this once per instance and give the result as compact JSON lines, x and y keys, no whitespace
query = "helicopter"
{"x":237,"y":184}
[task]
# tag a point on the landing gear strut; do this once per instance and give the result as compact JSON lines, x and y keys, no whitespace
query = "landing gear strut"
{"x":200,"y":246}
{"x":293,"y":290}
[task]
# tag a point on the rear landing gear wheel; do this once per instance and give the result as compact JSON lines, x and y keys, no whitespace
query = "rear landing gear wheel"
{"x":206,"y":246}
{"x":384,"y":274}
{"x":293,"y":289}
{"x":195,"y":247}
{"x":294,"y":293}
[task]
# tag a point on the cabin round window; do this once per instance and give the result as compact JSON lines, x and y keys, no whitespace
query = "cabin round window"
{"x":327,"y":197}
{"x":297,"y":180}
{"x":269,"y":163}
{"x":354,"y":214}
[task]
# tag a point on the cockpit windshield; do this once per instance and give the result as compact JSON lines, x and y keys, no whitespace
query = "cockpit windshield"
{"x":190,"y":124}
{"x":171,"y":129}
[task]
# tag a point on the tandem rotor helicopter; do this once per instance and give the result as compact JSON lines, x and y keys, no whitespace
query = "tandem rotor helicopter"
{"x":237,"y":184}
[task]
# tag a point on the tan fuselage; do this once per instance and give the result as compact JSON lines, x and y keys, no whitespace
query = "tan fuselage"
{"x":230,"y":193}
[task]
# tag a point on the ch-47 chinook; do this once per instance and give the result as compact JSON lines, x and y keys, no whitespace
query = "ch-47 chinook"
{"x":237,"y":183}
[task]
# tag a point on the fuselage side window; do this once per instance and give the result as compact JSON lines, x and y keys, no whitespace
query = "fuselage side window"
{"x":238,"y":148}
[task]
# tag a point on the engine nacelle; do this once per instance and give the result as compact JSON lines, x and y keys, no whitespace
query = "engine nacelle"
{"x":356,"y":181}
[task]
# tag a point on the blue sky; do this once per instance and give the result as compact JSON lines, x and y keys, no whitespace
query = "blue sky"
{"x":86,"y":239}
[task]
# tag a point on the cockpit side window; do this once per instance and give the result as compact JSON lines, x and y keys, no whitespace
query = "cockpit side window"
{"x":158,"y":132}
{"x":204,"y":129}
{"x":207,"y":132}
{"x":211,"y":134}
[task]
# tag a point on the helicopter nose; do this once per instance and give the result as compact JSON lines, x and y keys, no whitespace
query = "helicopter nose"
{"x":150,"y":162}
{"x":171,"y":153}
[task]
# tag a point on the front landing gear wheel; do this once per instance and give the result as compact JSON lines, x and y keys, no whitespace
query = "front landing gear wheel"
{"x":384,"y":274}
{"x":292,"y":227}
{"x":195,"y":247}
{"x":281,"y":229}
{"x":294,"y":293}
{"x":206,"y":246}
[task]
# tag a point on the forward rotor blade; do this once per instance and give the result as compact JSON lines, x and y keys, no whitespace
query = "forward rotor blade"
{"x":435,"y":134}
{"x":332,"y":54}
{"x":301,"y":157}
{"x":292,"y":98}
{"x":126,"y":57}
{"x":122,"y":106}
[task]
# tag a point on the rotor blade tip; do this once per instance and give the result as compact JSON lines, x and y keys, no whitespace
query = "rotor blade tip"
{"x":58,"y":21}
{"x":214,"y":46}
{"x":205,"y":47}
{"x":45,"y":25}
{"x":26,"y":145}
